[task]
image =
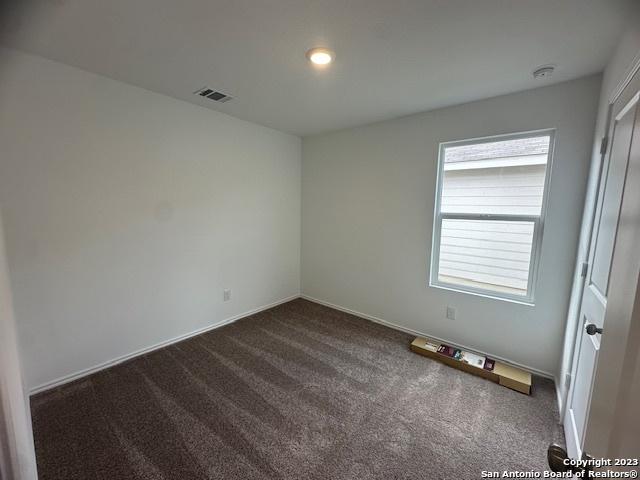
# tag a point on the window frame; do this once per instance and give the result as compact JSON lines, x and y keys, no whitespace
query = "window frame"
{"x":538,"y":220}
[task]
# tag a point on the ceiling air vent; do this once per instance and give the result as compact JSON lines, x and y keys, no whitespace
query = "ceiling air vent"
{"x":214,"y":95}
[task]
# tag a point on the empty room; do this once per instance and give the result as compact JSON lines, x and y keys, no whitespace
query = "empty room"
{"x":274,"y":239}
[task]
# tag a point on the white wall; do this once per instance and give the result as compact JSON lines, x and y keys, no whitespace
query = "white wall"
{"x":17,"y":456}
{"x":127,"y":213}
{"x":625,"y":56}
{"x":367,"y":208}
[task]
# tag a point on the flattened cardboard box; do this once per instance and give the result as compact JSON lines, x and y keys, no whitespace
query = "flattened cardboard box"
{"x":506,"y":375}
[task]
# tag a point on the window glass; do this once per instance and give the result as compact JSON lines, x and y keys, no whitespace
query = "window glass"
{"x":489,"y":214}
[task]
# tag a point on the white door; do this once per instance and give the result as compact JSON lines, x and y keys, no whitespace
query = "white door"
{"x":625,"y":118}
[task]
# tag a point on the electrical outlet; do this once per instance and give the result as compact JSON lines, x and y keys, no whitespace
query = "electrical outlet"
{"x":451,"y":313}
{"x":226,"y":295}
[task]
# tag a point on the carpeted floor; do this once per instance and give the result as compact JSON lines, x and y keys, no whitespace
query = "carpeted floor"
{"x":300,"y":391}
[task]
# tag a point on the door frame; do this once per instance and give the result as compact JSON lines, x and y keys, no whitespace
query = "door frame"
{"x":616,"y":374}
{"x":587,"y":257}
{"x":17,"y":453}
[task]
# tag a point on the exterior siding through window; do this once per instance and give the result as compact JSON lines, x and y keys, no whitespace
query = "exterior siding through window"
{"x":490,"y":205}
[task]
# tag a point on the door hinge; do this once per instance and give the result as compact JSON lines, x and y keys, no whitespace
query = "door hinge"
{"x":603,"y":145}
{"x":567,"y":380}
{"x":585,"y":269}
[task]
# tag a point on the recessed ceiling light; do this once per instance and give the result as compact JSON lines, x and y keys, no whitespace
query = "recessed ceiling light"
{"x":320,"y":56}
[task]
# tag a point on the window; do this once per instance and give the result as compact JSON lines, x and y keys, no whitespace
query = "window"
{"x":490,"y":203}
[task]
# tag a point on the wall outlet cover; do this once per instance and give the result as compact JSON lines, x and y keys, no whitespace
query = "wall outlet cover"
{"x":451,"y":313}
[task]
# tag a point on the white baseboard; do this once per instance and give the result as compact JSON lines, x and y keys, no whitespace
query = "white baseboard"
{"x":423,"y":334}
{"x":110,"y":363}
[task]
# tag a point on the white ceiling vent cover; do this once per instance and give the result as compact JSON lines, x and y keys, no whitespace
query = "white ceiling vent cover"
{"x":214,"y":95}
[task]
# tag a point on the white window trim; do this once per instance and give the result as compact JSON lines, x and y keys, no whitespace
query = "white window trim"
{"x":538,"y":229}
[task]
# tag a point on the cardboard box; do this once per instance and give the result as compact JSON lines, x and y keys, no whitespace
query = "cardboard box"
{"x":506,"y":375}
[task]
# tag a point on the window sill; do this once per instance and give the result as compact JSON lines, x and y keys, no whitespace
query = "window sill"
{"x":453,"y":288}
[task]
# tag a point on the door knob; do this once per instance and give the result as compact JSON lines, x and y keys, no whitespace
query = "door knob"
{"x":592,"y":329}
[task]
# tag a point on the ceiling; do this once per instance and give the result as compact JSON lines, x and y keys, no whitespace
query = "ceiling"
{"x":393,"y":57}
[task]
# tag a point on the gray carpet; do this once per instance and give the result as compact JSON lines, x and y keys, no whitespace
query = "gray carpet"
{"x":298,"y":391}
